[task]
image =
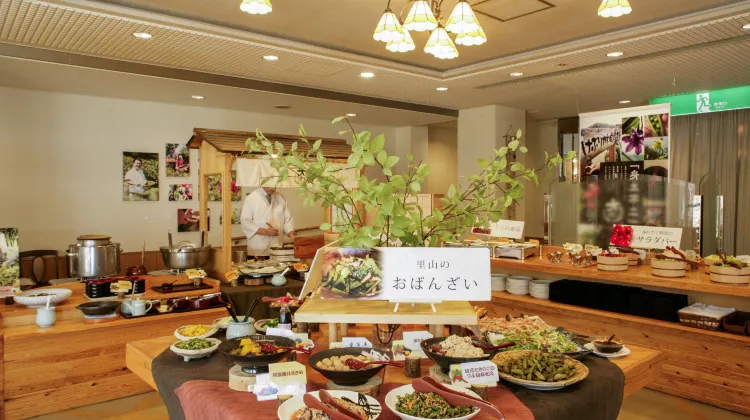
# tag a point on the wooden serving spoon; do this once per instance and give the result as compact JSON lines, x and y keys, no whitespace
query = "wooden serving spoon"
{"x":315,"y":404}
{"x":358,"y":364}
{"x":272,"y":348}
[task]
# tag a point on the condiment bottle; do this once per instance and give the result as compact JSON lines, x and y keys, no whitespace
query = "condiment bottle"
{"x":285,"y":316}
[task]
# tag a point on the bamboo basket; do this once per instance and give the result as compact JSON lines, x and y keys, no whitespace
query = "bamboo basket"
{"x":731,"y":275}
{"x":582,"y":372}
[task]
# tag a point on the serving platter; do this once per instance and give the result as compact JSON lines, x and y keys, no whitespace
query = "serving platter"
{"x":582,"y":372}
{"x":294,"y":404}
{"x":622,"y":353}
{"x":188,"y":355}
{"x":392,"y":398}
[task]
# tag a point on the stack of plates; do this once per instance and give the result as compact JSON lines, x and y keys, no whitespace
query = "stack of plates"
{"x":498,"y":282}
{"x":518,"y":285}
{"x":539,"y":289}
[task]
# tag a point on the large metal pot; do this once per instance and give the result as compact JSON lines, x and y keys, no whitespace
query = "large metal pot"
{"x":185,"y":256}
{"x":93,"y":256}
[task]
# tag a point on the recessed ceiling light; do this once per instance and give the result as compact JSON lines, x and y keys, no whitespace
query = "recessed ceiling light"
{"x":746,"y":27}
{"x":615,"y":54}
{"x":142,"y":35}
{"x":282,"y":107}
{"x":516,"y":74}
{"x":441,"y":89}
{"x":198,"y":97}
{"x":625,"y":102}
{"x":270,"y":58}
{"x":351,"y":115}
{"x":367,"y":74}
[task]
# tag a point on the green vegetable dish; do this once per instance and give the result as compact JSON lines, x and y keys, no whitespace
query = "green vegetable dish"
{"x":194,"y":344}
{"x":271,"y":323}
{"x":430,"y":406}
{"x":540,"y":367}
{"x":354,"y":276}
{"x":551,"y":341}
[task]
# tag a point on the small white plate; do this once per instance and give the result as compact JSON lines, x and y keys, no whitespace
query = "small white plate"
{"x":622,"y":353}
{"x":294,"y":404}
{"x":188,"y":355}
{"x":392,"y":398}
{"x":181,"y":337}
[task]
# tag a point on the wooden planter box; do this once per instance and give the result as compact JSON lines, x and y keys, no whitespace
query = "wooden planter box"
{"x":673,"y":269}
{"x":720,"y":274}
{"x":612,"y":263}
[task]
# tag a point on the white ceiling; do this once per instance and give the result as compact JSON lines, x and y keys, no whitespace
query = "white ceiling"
{"x":28,"y":74}
{"x":667,"y":50}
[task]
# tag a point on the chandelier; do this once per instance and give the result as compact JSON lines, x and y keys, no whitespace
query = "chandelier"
{"x":424,"y":16}
{"x":614,"y":8}
{"x":256,"y":7}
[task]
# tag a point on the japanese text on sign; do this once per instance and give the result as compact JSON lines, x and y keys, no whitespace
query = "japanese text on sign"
{"x":649,"y":237}
{"x":507,"y":229}
{"x":475,"y":373}
{"x":436,"y":274}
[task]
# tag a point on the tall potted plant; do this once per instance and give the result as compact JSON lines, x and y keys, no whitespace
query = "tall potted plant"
{"x":397,"y":219}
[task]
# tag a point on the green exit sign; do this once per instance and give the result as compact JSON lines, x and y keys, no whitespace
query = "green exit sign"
{"x":709,"y":101}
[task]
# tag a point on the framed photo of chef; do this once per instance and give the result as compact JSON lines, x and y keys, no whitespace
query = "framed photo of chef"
{"x":140,"y":176}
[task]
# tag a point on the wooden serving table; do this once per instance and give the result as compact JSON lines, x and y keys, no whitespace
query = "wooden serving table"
{"x":77,"y":362}
{"x":333,"y":312}
{"x":641,"y":367}
{"x":706,"y":366}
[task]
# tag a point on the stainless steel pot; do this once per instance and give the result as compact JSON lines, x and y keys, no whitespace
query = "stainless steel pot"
{"x":93,"y":256}
{"x":185,"y":256}
{"x":239,"y":256}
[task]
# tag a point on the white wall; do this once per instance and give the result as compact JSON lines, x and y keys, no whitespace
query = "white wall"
{"x":442,"y":155}
{"x":541,"y":136}
{"x":62,"y":165}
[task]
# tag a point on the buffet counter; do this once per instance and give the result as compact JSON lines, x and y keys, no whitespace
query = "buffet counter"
{"x":639,"y":368}
{"x":78,"y":362}
{"x":701,"y":365}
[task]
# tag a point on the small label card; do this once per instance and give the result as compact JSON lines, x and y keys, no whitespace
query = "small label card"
{"x":232,"y":275}
{"x":474,"y":373}
{"x":436,"y":274}
{"x":288,"y":373}
{"x":413,"y":342}
{"x":356,"y":342}
{"x":512,"y":229}
{"x":121,"y":286}
{"x":650,"y":237}
{"x":280,"y":332}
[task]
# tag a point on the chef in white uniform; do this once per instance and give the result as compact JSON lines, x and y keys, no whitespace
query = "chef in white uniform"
{"x":136,"y":180}
{"x":265,"y":220}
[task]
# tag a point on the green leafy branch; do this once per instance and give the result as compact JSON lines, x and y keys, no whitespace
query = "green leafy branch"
{"x":396,"y":218}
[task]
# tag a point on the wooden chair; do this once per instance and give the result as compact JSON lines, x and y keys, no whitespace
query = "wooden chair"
{"x":39,"y":254}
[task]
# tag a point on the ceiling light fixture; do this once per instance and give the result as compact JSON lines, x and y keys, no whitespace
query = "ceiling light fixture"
{"x":351,"y":115}
{"x":420,"y":17}
{"x":614,"y":8}
{"x":270,"y":58}
{"x":625,"y":102}
{"x":441,"y":45}
{"x":367,"y":74}
{"x":406,"y":43}
{"x":462,"y":20}
{"x":389,"y":28}
{"x":616,"y":54}
{"x":256,"y":7}
{"x":746,"y":27}
{"x":198,"y":97}
{"x":441,"y":89}
{"x":516,"y":74}
{"x":142,"y":35}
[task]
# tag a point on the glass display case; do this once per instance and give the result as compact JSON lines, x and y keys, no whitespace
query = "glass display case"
{"x":585,"y":212}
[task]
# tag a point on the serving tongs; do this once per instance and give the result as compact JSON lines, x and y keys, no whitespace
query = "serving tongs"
{"x":315,"y":404}
{"x":358,"y":364}
{"x":428,"y":384}
{"x":272,"y":348}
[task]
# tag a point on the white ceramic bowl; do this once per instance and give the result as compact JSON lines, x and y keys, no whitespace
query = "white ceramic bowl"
{"x":210,"y":332}
{"x":30,"y":299}
{"x":292,"y":405}
{"x":498,"y":284}
{"x":518,"y":292}
{"x":392,"y":398}
{"x":188,"y":355}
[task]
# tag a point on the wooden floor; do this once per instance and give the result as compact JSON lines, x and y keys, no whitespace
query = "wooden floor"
{"x":643,"y":405}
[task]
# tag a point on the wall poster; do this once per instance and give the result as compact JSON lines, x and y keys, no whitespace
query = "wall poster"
{"x":140,"y":176}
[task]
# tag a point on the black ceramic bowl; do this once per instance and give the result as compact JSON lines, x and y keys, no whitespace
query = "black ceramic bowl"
{"x":348,"y":378}
{"x":98,"y":308}
{"x":256,"y":364}
{"x":446,"y":361}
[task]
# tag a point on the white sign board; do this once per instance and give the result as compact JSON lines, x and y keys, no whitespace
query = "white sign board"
{"x":436,"y":274}
{"x":512,"y":229}
{"x":356,"y":342}
{"x":649,"y":237}
{"x":474,"y":373}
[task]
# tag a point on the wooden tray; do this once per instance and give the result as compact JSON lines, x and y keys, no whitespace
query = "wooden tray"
{"x":188,"y":287}
{"x":174,"y":311}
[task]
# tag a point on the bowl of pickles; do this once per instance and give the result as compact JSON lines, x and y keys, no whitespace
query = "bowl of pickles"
{"x":195,"y":348}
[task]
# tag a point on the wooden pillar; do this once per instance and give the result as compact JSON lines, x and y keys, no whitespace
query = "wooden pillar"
{"x":226,"y":209}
